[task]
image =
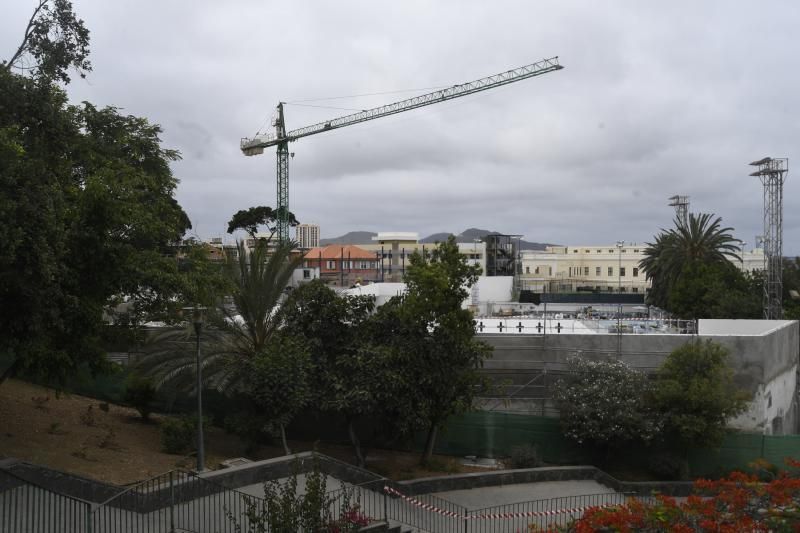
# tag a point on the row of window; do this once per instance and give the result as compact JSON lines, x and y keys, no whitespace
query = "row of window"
{"x":584,"y":271}
{"x":611,"y":251}
{"x":345,"y":265}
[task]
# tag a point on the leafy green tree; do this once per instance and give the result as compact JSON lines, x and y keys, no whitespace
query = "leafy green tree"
{"x":278,"y":381}
{"x":347,"y":379}
{"x":54,"y":40}
{"x":678,"y":252}
{"x":791,"y":288}
{"x":604,"y":404}
{"x":696,"y":395}
{"x":87,"y":214}
{"x":250,"y":219}
{"x":717,"y":290}
{"x":440,"y":353}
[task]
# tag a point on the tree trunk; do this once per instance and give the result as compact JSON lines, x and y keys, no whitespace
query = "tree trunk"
{"x":430,"y":441}
{"x":362,"y":462}
{"x":11,"y":371}
{"x":286,"y":449}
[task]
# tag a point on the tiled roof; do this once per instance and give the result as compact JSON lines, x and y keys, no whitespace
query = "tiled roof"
{"x":340,"y":251}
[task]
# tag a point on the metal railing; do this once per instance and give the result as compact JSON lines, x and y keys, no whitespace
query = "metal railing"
{"x":175,"y":501}
{"x":544,"y":514}
{"x":27,"y":508}
{"x":183,"y":502}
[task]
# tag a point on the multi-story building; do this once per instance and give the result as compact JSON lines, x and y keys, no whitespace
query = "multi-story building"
{"x":395,"y":248}
{"x":307,"y":236}
{"x":607,"y":268}
{"x":343,"y":265}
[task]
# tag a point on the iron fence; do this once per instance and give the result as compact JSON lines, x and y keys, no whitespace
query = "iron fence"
{"x":546,"y":513}
{"x":183,"y":502}
{"x":176,"y":501}
{"x":27,"y":508}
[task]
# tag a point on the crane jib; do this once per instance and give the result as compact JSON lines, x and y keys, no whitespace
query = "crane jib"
{"x":257,"y":144}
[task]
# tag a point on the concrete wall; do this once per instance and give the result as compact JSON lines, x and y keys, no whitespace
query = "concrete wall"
{"x":495,"y":288}
{"x":764,"y":365}
{"x":739,"y":327}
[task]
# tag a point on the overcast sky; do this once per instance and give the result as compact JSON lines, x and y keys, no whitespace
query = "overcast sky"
{"x":656,"y":99}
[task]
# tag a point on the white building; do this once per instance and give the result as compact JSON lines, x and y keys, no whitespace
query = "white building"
{"x":603,"y":268}
{"x":307,"y":236}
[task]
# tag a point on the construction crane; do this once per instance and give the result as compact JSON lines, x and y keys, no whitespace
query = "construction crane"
{"x":281,"y":138}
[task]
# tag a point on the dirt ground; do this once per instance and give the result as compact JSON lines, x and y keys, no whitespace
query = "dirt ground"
{"x":111,"y":443}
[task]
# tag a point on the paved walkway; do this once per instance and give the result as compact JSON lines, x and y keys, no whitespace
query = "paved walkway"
{"x":523,"y":492}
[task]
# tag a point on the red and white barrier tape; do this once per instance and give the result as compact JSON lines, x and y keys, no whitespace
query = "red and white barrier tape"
{"x":490,"y":516}
{"x":422,"y":505}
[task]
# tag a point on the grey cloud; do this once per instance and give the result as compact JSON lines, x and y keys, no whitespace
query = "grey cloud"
{"x":656,"y":99}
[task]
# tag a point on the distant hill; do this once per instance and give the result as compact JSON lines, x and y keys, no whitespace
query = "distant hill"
{"x":468,"y":235}
{"x":353,"y":237}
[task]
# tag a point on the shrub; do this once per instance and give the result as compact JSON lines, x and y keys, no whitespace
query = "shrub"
{"x":249,"y":427}
{"x":667,"y":466}
{"x":177,"y":434}
{"x":287,"y":510}
{"x":739,"y":502}
{"x":604,"y":403}
{"x":696,"y":395}
{"x":140,"y":393}
{"x":525,"y":456}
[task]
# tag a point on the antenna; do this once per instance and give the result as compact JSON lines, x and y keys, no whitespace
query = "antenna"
{"x":681,"y":205}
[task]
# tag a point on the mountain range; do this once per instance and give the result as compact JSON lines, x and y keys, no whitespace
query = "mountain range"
{"x":468,"y":235}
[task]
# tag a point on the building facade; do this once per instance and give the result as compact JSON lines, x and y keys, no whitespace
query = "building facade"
{"x":605,"y":268}
{"x":395,"y":248}
{"x":343,"y":265}
{"x":307,"y":236}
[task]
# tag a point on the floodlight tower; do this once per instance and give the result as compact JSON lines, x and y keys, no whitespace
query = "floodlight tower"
{"x":681,"y":205}
{"x":772,"y":173}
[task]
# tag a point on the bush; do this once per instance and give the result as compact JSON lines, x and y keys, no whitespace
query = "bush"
{"x":525,"y":456}
{"x":251,"y":428}
{"x":177,"y":434}
{"x":604,"y":404}
{"x":140,"y":393}
{"x":667,"y":466}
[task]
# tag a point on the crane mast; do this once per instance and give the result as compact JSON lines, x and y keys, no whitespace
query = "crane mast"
{"x":281,"y":138}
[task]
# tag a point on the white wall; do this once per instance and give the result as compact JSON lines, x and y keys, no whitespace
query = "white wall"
{"x":772,"y":401}
{"x":739,"y":327}
{"x":495,"y":288}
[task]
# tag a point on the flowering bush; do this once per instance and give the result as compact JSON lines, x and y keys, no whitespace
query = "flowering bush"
{"x":604,"y":404}
{"x":739,"y":502}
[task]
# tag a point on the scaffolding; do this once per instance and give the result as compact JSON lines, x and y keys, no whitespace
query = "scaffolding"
{"x":772,"y":173}
{"x":502,"y":255}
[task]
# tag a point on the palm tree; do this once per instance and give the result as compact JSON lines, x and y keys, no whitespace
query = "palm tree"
{"x":233,"y":337}
{"x":701,"y":240}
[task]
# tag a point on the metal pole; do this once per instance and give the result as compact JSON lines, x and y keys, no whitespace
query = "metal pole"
{"x":171,"y":503}
{"x":89,"y":516}
{"x":200,"y":450}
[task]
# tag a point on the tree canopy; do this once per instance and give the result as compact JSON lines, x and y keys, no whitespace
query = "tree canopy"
{"x":54,"y":40}
{"x":696,"y":394}
{"x":250,"y":219}
{"x":87,"y":213}
{"x":605,"y":404}
{"x":683,"y":260}
{"x":439,"y":346}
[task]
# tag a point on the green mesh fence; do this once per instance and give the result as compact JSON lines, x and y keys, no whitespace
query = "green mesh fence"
{"x":489,"y":434}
